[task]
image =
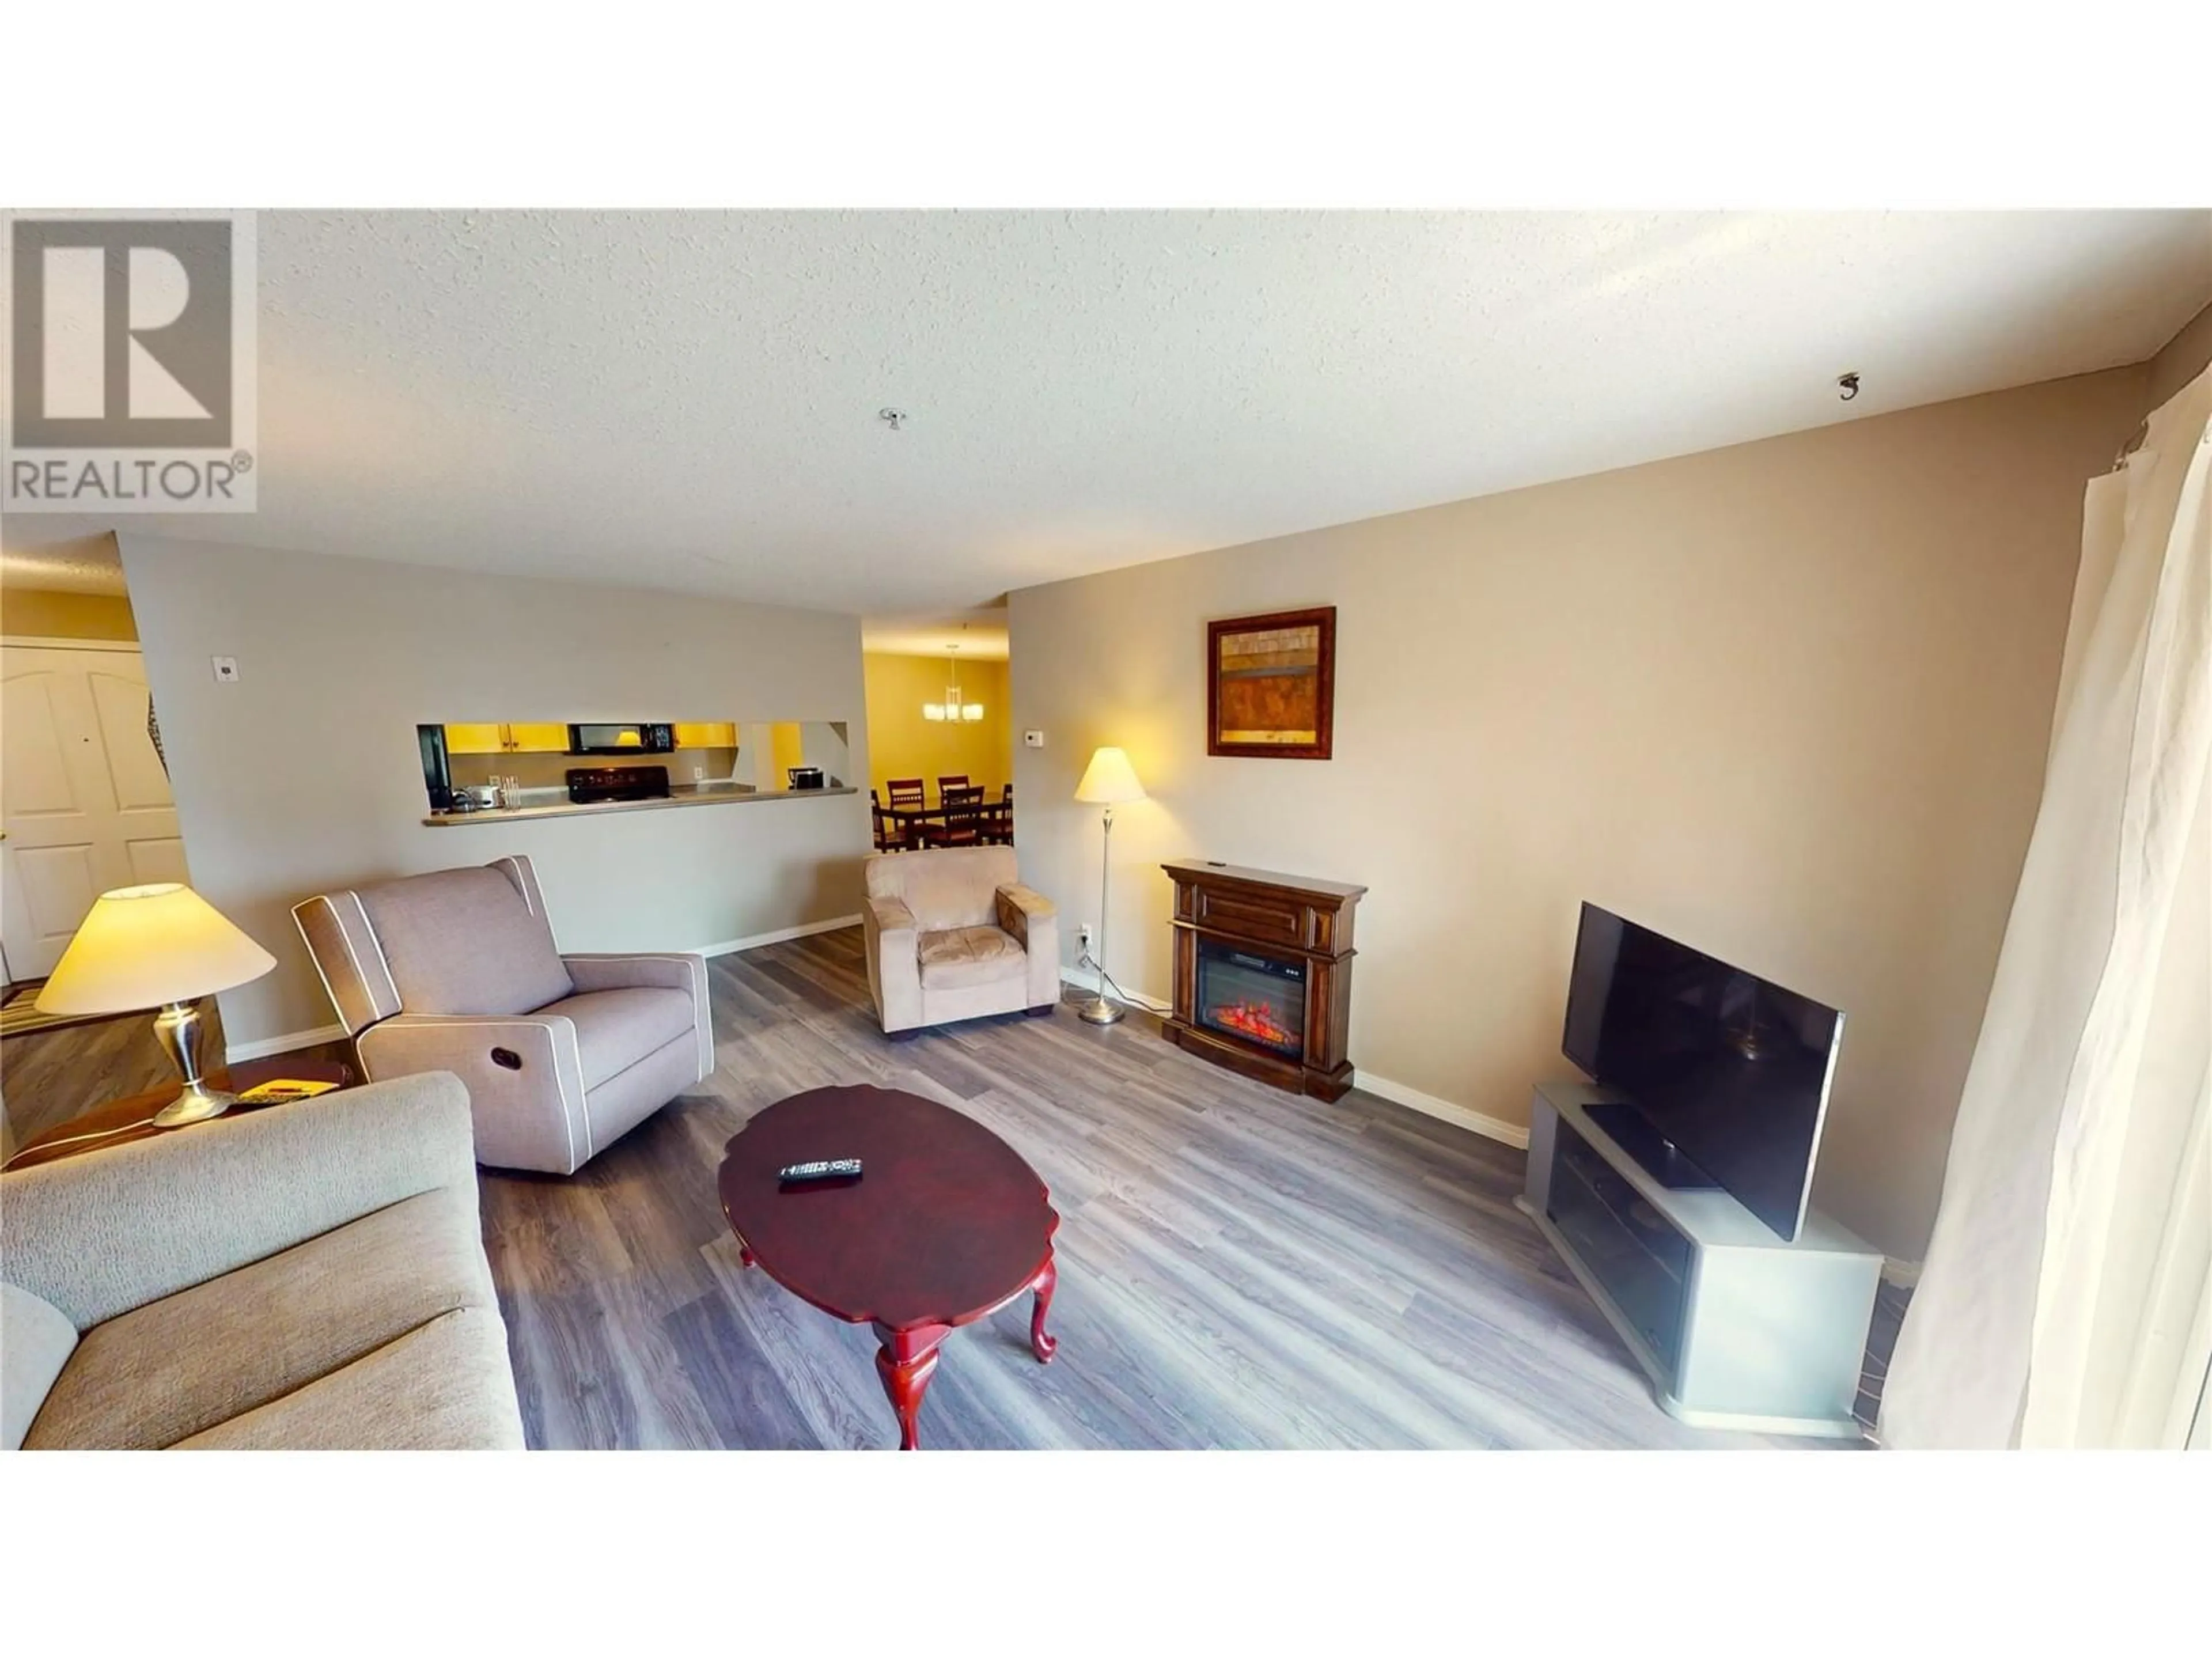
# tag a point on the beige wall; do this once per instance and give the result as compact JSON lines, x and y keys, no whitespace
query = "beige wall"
{"x":903,"y":744}
{"x":1788,"y":701}
{"x":44,"y":614}
{"x":340,"y":659}
{"x":2183,"y":358}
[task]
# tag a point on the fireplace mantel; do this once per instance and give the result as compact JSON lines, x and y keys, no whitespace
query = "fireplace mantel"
{"x":1289,"y":939}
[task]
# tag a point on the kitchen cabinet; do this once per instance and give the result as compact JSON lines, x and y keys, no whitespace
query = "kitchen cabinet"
{"x":707,"y":734}
{"x":539,"y":737}
{"x":506,"y":737}
{"x":475,"y":738}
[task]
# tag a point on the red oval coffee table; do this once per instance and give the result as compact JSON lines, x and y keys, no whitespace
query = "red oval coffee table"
{"x":945,"y":1226}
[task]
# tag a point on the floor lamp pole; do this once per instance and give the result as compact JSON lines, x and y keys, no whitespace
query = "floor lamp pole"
{"x":1100,"y":1011}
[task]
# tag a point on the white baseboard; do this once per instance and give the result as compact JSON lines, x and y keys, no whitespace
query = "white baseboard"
{"x":1481,"y":1123}
{"x":286,"y":1041}
{"x":282,"y":1043}
{"x":1513,"y":1134}
{"x":753,"y":942}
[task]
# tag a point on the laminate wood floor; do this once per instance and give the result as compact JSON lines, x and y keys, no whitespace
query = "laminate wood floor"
{"x":51,"y":1075}
{"x":1238,"y":1267}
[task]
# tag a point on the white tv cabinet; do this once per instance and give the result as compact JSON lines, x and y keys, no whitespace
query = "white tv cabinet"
{"x":1736,"y":1329}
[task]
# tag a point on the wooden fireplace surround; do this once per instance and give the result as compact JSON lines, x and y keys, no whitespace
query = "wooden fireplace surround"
{"x":1277,"y":916}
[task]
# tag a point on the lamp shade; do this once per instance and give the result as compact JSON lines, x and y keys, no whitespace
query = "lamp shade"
{"x":140,"y":947}
{"x":1109,"y":779}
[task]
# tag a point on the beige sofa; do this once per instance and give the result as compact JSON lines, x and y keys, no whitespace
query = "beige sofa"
{"x":310,"y":1276}
{"x":952,"y":934}
{"x":457,"y":971}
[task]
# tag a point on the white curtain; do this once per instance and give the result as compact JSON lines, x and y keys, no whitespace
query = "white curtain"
{"x":2067,"y":1297}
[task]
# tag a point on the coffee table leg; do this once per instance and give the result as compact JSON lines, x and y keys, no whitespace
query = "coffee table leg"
{"x":1040,"y":1345}
{"x":906,"y":1362}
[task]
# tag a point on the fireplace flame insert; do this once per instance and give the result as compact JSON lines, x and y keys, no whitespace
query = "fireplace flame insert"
{"x":1259,"y":999}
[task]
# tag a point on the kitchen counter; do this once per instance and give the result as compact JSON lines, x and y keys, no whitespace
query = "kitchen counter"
{"x":683,"y":794}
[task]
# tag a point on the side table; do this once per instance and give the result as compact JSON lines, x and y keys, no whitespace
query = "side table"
{"x":131,"y":1118}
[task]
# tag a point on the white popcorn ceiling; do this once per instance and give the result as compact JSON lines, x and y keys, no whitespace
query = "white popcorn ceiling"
{"x":978,"y":633}
{"x":689,"y":401}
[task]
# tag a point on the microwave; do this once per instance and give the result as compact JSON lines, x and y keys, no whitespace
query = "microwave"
{"x":621,"y":738}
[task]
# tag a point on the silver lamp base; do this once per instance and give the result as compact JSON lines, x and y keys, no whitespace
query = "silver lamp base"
{"x":1100,"y":1011}
{"x":179,"y":1028}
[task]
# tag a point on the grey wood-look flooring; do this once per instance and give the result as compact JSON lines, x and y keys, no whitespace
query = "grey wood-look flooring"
{"x":1238,"y":1267}
{"x":51,"y":1075}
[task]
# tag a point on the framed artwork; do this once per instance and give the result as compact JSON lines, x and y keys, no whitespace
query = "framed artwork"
{"x":1271,"y":684}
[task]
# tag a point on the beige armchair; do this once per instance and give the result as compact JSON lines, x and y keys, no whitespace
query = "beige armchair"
{"x":457,"y":971}
{"x":952,"y":934}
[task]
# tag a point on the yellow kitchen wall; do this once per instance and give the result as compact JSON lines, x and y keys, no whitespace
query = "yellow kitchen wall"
{"x":39,"y":613}
{"x":785,"y":750}
{"x":903,"y":744}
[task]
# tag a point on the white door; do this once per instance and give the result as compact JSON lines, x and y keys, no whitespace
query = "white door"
{"x":83,"y":796}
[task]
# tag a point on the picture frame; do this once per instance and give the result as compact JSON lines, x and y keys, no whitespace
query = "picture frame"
{"x":1271,"y":684}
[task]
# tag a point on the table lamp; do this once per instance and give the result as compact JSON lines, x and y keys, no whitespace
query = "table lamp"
{"x":163,"y":946}
{"x":1107,"y":780}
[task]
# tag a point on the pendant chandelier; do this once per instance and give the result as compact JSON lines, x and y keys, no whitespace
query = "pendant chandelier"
{"x":952,"y":708}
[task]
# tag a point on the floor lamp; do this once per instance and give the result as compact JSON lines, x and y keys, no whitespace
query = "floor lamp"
{"x":1107,"y":781}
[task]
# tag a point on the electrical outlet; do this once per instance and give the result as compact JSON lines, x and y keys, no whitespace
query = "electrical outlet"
{"x":1083,"y":938}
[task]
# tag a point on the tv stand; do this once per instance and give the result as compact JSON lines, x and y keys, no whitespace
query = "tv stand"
{"x":1662,"y":1160}
{"x":1736,"y":1327}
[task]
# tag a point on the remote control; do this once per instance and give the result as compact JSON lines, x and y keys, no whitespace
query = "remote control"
{"x":832,"y":1168}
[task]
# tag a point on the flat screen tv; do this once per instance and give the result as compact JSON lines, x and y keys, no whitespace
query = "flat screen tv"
{"x":1716,"y":1068}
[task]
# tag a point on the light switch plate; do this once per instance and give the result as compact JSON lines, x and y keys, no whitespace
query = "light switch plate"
{"x":226,"y":670}
{"x":1033,"y":739}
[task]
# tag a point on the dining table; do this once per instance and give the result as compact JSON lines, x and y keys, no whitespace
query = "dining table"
{"x":917,"y":823}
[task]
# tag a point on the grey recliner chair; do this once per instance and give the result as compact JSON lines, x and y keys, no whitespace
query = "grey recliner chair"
{"x":457,"y":971}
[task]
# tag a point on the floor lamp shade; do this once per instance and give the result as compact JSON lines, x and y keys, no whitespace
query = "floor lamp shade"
{"x":1108,"y":780}
{"x":144,"y":947}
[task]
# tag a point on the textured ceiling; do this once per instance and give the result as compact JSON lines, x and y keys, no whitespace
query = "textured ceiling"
{"x":982,"y":632}
{"x":689,"y":401}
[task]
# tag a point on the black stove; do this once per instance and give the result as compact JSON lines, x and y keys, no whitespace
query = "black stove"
{"x":589,"y":784}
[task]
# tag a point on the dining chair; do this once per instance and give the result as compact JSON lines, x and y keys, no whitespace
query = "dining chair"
{"x":949,"y":781}
{"x":964,"y":825}
{"x":1000,"y":828}
{"x":906,"y":792}
{"x":890,"y":833}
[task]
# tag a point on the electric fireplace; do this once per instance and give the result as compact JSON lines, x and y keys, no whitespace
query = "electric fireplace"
{"x":1263,"y":974}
